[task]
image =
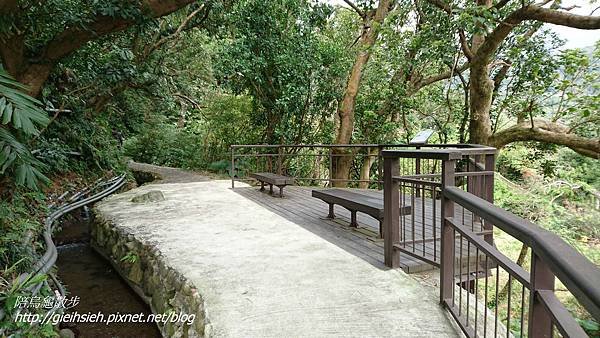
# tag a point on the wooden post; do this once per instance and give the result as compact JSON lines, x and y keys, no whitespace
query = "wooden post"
{"x":330,"y":167}
{"x":488,"y":193}
{"x":490,"y":165}
{"x":447,"y":235}
{"x":542,"y":278}
{"x":231,"y":170}
{"x":391,"y":226}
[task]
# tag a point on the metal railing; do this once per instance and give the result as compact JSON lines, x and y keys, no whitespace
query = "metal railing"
{"x":417,"y":175}
{"x":309,"y":164}
{"x":314,"y":164}
{"x":473,"y":270}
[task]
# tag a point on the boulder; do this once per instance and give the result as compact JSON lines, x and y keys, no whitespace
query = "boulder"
{"x":150,"y":196}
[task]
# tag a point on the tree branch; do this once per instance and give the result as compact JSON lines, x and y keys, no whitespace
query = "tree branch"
{"x":182,"y":26}
{"x":464,"y":45}
{"x":438,"y":77}
{"x":561,"y":18}
{"x":74,"y":37}
{"x":356,"y":9}
{"x":532,"y":12}
{"x":548,"y":132}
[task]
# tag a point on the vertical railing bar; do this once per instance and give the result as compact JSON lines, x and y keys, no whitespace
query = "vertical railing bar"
{"x":402,"y":217}
{"x":232,"y":170}
{"x":460,"y":275}
{"x":468,"y":277}
{"x":379,"y":167}
{"x":423,"y":216}
{"x":330,"y":166}
{"x":280,"y":150}
{"x":522,"y":307}
{"x":485,"y":301}
{"x":453,"y":268}
{"x":463,"y":215}
{"x":508,"y":304}
{"x":434,"y":222}
{"x":476,"y":284}
{"x":413,"y":216}
{"x":496,"y":300}
{"x":472,"y":221}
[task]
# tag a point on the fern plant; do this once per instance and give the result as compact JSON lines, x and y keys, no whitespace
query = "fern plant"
{"x":20,"y":117}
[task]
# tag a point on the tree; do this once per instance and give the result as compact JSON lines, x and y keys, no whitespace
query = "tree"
{"x":372,"y":20}
{"x":487,"y":38}
{"x":36,"y":36}
{"x":275,"y":54}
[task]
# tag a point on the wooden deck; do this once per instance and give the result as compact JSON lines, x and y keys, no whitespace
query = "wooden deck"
{"x":300,"y":207}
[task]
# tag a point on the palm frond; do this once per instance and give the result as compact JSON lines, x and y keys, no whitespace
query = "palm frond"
{"x":18,"y":108}
{"x":19,"y":112}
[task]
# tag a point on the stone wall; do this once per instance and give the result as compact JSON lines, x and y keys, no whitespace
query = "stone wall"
{"x":143,"y":268}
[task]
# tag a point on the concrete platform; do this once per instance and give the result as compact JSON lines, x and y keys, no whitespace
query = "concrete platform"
{"x":262,"y":275}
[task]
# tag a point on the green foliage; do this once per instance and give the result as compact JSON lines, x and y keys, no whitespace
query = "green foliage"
{"x":20,"y":116}
{"x":204,"y":140}
{"x":278,"y":58}
{"x":130,"y":257}
{"x":161,"y":144}
{"x":19,"y":226}
{"x":10,"y":292}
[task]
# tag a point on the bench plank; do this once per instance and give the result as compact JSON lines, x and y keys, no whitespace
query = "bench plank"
{"x":356,"y":202}
{"x":273,"y":179}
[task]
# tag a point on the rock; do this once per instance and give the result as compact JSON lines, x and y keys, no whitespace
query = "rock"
{"x":66,"y":333}
{"x":150,"y":196}
{"x":136,"y":274}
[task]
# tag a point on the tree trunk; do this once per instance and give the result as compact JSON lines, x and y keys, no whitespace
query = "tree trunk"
{"x":343,"y":157}
{"x":365,"y":169}
{"x":480,"y":94}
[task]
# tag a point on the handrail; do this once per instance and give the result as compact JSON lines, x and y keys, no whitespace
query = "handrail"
{"x":462,"y":146}
{"x":575,"y":271}
{"x":45,"y":263}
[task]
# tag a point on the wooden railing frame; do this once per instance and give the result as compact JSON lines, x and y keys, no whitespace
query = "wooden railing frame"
{"x":551,"y":256}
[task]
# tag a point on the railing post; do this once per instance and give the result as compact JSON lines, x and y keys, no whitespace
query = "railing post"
{"x":447,"y":235}
{"x":379,"y":167}
{"x":279,"y":160}
{"x":490,"y":165}
{"x":391,"y":207}
{"x":330,"y":166}
{"x":417,"y":172}
{"x":231,"y":170}
{"x":488,"y":192}
{"x":542,"y":278}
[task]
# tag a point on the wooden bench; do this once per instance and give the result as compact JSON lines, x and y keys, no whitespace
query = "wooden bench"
{"x":356,"y":202}
{"x":272,"y":180}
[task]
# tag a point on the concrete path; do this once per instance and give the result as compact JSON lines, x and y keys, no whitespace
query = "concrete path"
{"x":168,"y":174}
{"x":261,"y":275}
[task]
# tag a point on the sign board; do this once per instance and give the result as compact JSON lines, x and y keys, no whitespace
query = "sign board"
{"x":422,"y":137}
